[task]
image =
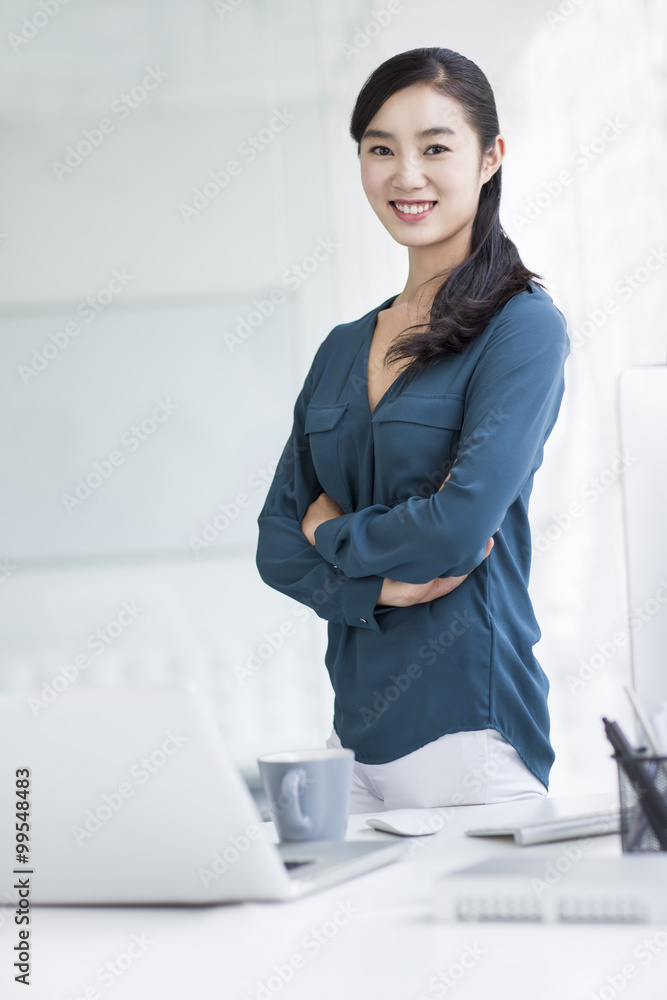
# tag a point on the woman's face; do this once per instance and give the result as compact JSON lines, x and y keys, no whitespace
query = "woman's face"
{"x":426,"y":162}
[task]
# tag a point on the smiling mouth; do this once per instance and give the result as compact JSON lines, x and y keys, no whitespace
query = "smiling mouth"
{"x":414,"y":208}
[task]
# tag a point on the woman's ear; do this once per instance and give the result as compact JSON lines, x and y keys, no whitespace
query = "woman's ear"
{"x":493,"y":158}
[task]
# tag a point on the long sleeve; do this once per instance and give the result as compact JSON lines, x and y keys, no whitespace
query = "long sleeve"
{"x":285,"y":558}
{"x":511,"y":403}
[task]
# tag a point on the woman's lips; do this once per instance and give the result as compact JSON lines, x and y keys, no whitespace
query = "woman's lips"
{"x":413,"y":216}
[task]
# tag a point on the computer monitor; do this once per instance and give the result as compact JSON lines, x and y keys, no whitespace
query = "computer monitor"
{"x":643,"y":429}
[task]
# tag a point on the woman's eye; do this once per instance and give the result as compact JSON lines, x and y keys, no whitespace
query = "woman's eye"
{"x":385,"y":151}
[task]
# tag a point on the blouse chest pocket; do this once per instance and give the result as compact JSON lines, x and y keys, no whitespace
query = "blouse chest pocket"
{"x":322,"y":426}
{"x":416,"y":439}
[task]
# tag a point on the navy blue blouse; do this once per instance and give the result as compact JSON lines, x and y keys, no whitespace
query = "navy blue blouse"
{"x":403,"y":677}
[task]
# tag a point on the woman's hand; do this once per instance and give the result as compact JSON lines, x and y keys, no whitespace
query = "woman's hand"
{"x":403,"y":595}
{"x":394,"y":593}
{"x":320,"y":510}
{"x":324,"y":508}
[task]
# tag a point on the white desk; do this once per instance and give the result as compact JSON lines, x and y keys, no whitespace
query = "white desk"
{"x":384,"y":945}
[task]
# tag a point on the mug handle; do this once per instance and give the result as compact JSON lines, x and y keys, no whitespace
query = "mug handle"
{"x":294,"y":781}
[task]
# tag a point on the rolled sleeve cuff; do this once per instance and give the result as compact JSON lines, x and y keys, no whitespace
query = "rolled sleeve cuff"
{"x":326,"y":534}
{"x":358,"y":599}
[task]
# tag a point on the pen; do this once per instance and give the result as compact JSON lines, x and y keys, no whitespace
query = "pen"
{"x":635,"y":770}
{"x":644,"y":722}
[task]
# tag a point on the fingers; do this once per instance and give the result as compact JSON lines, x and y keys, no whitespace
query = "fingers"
{"x":445,"y":585}
{"x":444,"y":480}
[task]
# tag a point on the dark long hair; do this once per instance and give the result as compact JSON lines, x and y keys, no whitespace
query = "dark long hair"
{"x":493,"y":273}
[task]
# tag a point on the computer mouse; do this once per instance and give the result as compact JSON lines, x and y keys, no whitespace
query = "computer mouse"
{"x":408,"y":822}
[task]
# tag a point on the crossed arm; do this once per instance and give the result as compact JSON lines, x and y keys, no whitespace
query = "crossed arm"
{"x":345,"y":565}
{"x":394,"y":593}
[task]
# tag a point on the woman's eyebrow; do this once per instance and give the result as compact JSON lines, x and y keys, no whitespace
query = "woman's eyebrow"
{"x":427,"y":133}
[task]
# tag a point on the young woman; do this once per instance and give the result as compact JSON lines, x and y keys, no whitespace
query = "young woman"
{"x":399,"y":509}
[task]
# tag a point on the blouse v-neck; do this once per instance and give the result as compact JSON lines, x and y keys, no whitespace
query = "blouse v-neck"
{"x":365,"y":356}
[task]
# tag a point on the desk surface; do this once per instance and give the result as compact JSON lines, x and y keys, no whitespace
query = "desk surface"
{"x":372,"y":937}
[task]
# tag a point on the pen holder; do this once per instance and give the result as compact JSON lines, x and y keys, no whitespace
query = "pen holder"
{"x":642,"y":785}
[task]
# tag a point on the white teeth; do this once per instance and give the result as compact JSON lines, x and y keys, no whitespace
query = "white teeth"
{"x":414,"y":209}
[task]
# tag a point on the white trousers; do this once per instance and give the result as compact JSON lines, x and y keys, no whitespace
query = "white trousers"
{"x":470,"y":768}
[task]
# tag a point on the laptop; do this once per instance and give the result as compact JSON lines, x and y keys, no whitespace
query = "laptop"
{"x":130,"y":798}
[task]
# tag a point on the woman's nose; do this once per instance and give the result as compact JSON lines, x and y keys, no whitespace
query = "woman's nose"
{"x":408,"y":174}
